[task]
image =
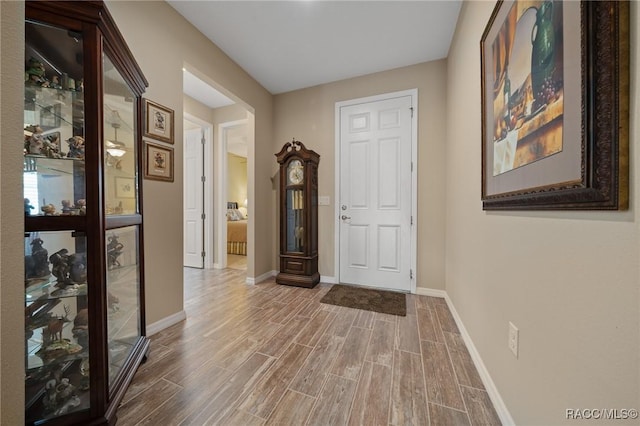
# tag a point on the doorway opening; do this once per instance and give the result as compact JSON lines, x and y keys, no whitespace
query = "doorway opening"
{"x":208,"y":110}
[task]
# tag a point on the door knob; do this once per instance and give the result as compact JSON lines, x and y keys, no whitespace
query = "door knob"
{"x":345,"y":217}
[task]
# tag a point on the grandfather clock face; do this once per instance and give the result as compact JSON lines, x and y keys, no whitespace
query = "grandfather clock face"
{"x":295,"y":173}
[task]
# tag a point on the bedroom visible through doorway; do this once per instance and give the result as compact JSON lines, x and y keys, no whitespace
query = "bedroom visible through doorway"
{"x":233,"y":138}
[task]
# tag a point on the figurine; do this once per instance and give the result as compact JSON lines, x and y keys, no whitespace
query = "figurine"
{"x":55,"y":82}
{"x":33,"y":139}
{"x":76,"y":147}
{"x":27,"y":207}
{"x":114,"y":250}
{"x":50,"y":400}
{"x":50,"y":147}
{"x":66,"y":207}
{"x":81,"y":204}
{"x":36,"y":264}
{"x":78,"y":268}
{"x":36,"y":73}
{"x":48,"y":209}
{"x":60,"y":270}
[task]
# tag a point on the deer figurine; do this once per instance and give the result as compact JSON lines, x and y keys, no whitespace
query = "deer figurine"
{"x":53,"y":332}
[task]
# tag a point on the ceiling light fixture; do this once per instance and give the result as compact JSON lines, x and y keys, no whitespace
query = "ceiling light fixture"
{"x":115,"y":148}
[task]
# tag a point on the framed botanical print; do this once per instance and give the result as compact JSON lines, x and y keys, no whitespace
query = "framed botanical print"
{"x":555,"y":102}
{"x":158,"y":162}
{"x":159,"y":122}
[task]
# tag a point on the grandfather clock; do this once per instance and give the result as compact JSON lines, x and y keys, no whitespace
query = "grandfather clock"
{"x":298,"y":215}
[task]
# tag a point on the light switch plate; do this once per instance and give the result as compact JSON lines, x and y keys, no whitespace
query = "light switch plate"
{"x":323,"y":200}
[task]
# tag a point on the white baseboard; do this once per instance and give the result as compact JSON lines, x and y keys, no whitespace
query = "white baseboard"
{"x":260,"y":278}
{"x":422,"y":291}
{"x":166,"y":322}
{"x":328,"y":280}
{"x":490,"y":386}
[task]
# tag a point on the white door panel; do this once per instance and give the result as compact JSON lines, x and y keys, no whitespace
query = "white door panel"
{"x":193,"y":199}
{"x":375,"y":193}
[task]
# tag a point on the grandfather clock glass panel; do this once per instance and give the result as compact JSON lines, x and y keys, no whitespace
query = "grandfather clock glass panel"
{"x":298,"y":215}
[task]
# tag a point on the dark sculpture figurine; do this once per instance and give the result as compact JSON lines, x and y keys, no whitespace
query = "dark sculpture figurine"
{"x":36,"y":264}
{"x":61,"y":268}
{"x":78,"y":268}
{"x":27,"y":207}
{"x":69,"y":269}
{"x":114,"y":250}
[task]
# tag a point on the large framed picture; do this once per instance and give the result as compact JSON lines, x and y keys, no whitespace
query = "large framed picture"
{"x":158,"y":162}
{"x":159,"y":122}
{"x":555,"y":105}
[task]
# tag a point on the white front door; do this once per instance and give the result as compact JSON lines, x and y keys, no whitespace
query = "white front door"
{"x":375,"y":203}
{"x":193,"y":198}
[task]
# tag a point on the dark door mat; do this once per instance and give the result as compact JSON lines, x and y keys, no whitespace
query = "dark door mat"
{"x":386,"y":302}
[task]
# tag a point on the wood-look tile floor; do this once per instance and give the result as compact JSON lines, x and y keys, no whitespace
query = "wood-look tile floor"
{"x":274,"y":355}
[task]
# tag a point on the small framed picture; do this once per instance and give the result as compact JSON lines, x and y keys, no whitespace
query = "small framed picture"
{"x":125,"y":187}
{"x":158,"y":162}
{"x":158,"y":122}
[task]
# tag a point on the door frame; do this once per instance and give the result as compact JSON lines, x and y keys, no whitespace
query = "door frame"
{"x":414,"y":175}
{"x":208,"y":187}
{"x":221,"y":208}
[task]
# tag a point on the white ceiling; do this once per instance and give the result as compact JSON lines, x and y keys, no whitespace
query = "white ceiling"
{"x":289,"y":45}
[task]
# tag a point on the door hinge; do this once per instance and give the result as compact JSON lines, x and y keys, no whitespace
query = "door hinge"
{"x":411,"y":108}
{"x":411,"y":220}
{"x":412,"y":167}
{"x":411,"y":274}
{"x":203,"y":216}
{"x":202,"y":254}
{"x":203,"y":178}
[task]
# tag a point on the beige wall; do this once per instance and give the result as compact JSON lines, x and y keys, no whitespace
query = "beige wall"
{"x":309,"y":116}
{"x":162,"y":65}
{"x":568,"y":280}
{"x":11,"y":215}
{"x":236,"y":179}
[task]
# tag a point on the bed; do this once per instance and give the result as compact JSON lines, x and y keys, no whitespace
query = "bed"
{"x":236,"y":230}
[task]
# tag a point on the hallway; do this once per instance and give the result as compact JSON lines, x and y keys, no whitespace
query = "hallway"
{"x":271,"y":354}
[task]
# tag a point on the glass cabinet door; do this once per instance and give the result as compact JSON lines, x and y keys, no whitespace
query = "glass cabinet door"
{"x":56,"y":289}
{"x":123,"y":296}
{"x":124,"y":325}
{"x":56,"y":324}
{"x":54,"y":173}
{"x":119,"y":123}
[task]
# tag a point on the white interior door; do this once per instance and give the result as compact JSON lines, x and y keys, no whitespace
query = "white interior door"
{"x":193,"y":198}
{"x":376,"y":193}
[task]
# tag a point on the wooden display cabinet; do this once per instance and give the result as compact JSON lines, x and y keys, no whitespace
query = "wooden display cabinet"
{"x":84,"y":312}
{"x":298,"y":215}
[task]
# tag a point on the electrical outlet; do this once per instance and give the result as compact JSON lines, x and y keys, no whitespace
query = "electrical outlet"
{"x":514,"y":336}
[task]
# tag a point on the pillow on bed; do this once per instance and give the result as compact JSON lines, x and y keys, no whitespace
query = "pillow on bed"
{"x":234,"y":215}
